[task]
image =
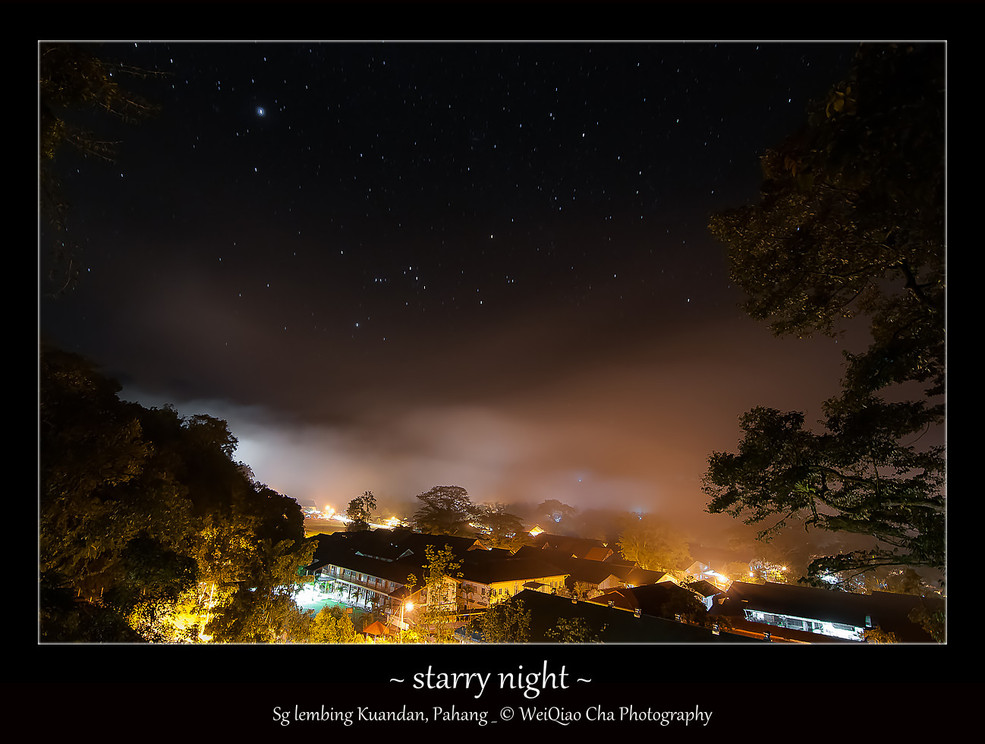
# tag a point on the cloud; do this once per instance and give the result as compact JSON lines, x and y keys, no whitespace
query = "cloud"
{"x":630,"y":428}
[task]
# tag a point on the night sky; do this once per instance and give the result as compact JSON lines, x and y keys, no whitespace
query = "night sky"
{"x":391,"y":266}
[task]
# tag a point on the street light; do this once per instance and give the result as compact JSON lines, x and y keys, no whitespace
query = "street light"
{"x":404,"y":606}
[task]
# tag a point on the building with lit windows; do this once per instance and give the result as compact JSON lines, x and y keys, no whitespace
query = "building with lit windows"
{"x":488,"y":579}
{"x":814,"y":615}
{"x":372,"y":569}
{"x":550,"y":616}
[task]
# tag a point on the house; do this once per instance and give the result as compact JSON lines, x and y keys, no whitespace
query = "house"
{"x":706,"y":591}
{"x":383,"y":569}
{"x":618,"y":560}
{"x":550,"y":614}
{"x":701,"y":571}
{"x":374,"y":569}
{"x":636,"y":576}
{"x":360,"y":579}
{"x":664,"y":599}
{"x":815,"y":615}
{"x":717,"y":564}
{"x":598,"y":553}
{"x":590,"y":578}
{"x":577,"y":547}
{"x":488,"y":579}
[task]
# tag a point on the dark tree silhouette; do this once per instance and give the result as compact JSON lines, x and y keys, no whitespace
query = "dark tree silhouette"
{"x":851,"y":225}
{"x":76,"y":86}
{"x":445,"y":510}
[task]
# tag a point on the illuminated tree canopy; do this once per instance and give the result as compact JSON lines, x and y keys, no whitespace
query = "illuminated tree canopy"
{"x":851,"y":225}
{"x":148,"y":529}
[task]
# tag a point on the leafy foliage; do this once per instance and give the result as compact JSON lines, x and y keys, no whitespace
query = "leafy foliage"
{"x":851,"y":225}
{"x":75,"y":86}
{"x":148,"y":526}
{"x":360,"y":510}
{"x":505,"y":622}
{"x":332,"y":624}
{"x":852,"y":207}
{"x":500,"y":528}
{"x":864,"y":483}
{"x":72,"y":78}
{"x":555,"y":510}
{"x":654,"y":544}
{"x":445,"y":510}
{"x":572,"y":630}
{"x":439,"y":593}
